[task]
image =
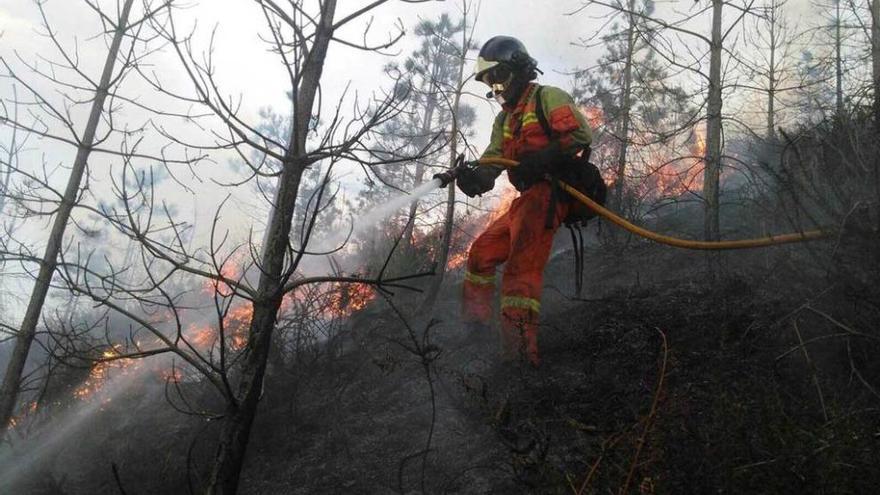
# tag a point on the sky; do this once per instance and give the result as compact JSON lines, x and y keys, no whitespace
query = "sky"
{"x":247,"y":71}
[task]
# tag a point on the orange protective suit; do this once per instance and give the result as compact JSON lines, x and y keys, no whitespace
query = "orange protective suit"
{"x":521,"y":238}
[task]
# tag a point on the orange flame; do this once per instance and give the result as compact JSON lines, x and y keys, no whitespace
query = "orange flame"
{"x":100,"y":371}
{"x":595,"y":116}
{"x":457,"y":260}
{"x":461,"y":243}
{"x":336,"y":300}
{"x":172,"y":375}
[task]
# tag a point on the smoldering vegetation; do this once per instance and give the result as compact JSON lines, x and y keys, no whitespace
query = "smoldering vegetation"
{"x":316,"y":347}
{"x":762,"y":379}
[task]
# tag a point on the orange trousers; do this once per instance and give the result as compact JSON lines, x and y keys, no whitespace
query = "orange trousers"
{"x":521,"y":240}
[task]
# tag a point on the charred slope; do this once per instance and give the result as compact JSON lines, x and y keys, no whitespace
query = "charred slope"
{"x":743,"y":408}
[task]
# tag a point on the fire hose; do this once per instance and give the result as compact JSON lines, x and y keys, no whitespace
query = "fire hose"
{"x":616,"y":219}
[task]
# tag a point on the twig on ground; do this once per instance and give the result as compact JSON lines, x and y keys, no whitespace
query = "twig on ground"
{"x":855,"y":371}
{"x":117,"y":478}
{"x":651,"y":415}
{"x":812,"y":367}
{"x":648,"y":420}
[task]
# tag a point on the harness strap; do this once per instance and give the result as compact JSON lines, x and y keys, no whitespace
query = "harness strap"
{"x":539,"y":112}
{"x":577,"y":242}
{"x":550,"y":220}
{"x":580,"y":275}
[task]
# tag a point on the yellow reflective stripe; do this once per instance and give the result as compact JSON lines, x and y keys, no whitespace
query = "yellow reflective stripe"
{"x":506,"y":130}
{"x":530,"y":118}
{"x":521,"y":302}
{"x":479,"y":279}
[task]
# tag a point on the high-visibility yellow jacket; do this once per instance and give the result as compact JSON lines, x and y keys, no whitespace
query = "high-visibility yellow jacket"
{"x":518,"y":131}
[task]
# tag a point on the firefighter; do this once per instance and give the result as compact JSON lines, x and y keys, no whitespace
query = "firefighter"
{"x":542,"y":128}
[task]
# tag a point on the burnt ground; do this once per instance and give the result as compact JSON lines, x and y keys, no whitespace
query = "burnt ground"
{"x":742,"y":407}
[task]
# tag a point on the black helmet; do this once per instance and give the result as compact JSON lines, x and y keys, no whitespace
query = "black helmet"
{"x":503,"y":57}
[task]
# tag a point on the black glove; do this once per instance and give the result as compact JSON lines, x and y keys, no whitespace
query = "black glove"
{"x":533,"y":166}
{"x":477,"y":180}
{"x":445,"y":177}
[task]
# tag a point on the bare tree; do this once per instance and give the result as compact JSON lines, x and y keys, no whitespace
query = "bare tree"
{"x":642,"y":114}
{"x":10,"y":153}
{"x":875,"y":73}
{"x":300,"y":37}
{"x":432,"y":71}
{"x":675,"y":42}
{"x":831,"y":57}
{"x":457,"y":129}
{"x":233,"y":356}
{"x":770,"y":66}
{"x":84,"y":139}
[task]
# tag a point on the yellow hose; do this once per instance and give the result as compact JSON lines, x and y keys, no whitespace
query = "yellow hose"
{"x":616,"y":219}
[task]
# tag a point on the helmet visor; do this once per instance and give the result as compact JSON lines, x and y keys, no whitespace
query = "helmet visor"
{"x":497,"y":75}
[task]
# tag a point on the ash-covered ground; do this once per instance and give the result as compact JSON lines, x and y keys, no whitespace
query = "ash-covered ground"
{"x":659,"y":379}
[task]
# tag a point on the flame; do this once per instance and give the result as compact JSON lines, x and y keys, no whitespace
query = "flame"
{"x":100,"y":371}
{"x":667,"y":168}
{"x":700,"y":141}
{"x":334,"y":300}
{"x":683,"y":176}
{"x":201,"y":336}
{"x":465,"y":235}
{"x":595,"y":116}
{"x":29,"y":411}
{"x":659,"y":171}
{"x":232,"y":268}
{"x":173,"y":375}
{"x":236,"y":324}
{"x":502,"y":205}
{"x":345,"y":299}
{"x":456,"y":260}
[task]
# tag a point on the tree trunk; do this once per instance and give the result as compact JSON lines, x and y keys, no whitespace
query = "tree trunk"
{"x":407,"y":239}
{"x":236,"y":425}
{"x":875,"y":65}
{"x":12,"y":380}
{"x":771,"y":76}
{"x":712,"y":169}
{"x":875,"y":61}
{"x":6,"y":175}
{"x":838,"y":62}
{"x":625,"y":104}
{"x":449,"y":220}
{"x":427,"y":118}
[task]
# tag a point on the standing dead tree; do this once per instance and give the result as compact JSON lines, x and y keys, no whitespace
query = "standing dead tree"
{"x":683,"y":45}
{"x":875,"y":76}
{"x":769,"y":64}
{"x":300,"y":35}
{"x":10,"y":155}
{"x":432,"y":71}
{"x":58,"y":123}
{"x":642,"y":114}
{"x":454,"y":104}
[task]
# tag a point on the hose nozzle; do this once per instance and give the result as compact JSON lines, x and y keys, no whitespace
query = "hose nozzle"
{"x":450,"y":175}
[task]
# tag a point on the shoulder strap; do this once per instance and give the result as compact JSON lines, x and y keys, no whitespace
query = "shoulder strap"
{"x":539,"y":112}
